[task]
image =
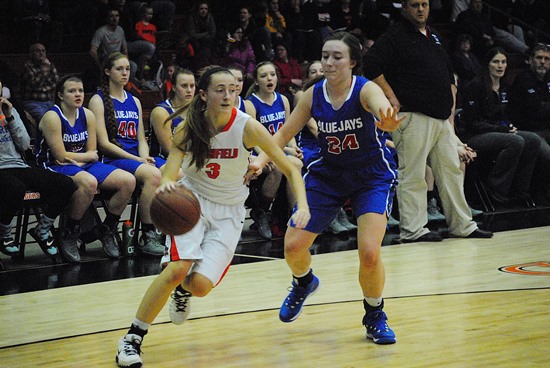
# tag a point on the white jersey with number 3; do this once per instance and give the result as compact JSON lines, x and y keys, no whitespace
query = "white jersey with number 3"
{"x":221,"y":178}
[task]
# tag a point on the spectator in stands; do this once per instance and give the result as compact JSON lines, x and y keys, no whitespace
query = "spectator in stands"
{"x":164,"y":11}
{"x":271,"y":109}
{"x":292,"y":11}
{"x":457,"y":7}
{"x":108,"y":39}
{"x":476,"y":22}
{"x":166,"y":81}
{"x":428,"y":100}
{"x":238,"y":51}
{"x":315,"y":28}
{"x":276,"y":24}
{"x":185,"y":52}
{"x":16,"y":177}
{"x":143,"y":48}
{"x":530,"y":95}
{"x":31,"y":19}
{"x":535,"y":13}
{"x":530,"y":109}
{"x":490,"y":133}
{"x":375,"y":18}
{"x":181,"y":94}
{"x":465,"y":63}
{"x":121,"y":139}
{"x":79,"y":20}
{"x":201,"y":28}
{"x":38,"y":82}
{"x":344,"y":16}
{"x":254,"y":29}
{"x":69,"y":147}
{"x":290,"y":74}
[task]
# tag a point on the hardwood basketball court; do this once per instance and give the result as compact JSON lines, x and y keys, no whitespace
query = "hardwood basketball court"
{"x":449,"y":304}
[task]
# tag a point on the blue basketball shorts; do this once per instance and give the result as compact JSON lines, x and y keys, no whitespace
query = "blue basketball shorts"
{"x":371,"y":189}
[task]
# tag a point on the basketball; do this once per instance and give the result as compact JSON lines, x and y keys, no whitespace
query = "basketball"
{"x":175,"y":212}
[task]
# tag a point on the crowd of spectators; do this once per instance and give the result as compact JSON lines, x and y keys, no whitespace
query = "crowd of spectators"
{"x":287,"y":34}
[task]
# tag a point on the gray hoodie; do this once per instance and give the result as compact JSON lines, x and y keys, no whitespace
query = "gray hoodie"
{"x":14,"y":140}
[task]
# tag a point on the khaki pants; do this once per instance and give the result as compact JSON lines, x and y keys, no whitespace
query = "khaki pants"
{"x":422,"y":140}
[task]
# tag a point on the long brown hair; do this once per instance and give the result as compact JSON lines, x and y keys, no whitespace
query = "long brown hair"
{"x":254,"y":87}
{"x":354,"y":46}
{"x":110,"y":119}
{"x":195,"y":133}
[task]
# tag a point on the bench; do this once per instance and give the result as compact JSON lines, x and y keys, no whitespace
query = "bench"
{"x":32,"y":205}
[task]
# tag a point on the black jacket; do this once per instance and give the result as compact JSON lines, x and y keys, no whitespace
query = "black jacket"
{"x":416,"y":67}
{"x":484,"y":111}
{"x":530,"y":102}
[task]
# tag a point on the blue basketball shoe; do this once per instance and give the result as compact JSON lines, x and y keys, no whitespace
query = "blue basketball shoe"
{"x":377,"y":327}
{"x":292,"y":306}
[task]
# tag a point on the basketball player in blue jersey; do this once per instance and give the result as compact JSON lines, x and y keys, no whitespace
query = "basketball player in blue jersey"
{"x":197,"y":260}
{"x":69,"y":146}
{"x":354,"y":163}
{"x":307,"y":141}
{"x":121,"y":139}
{"x":181,"y":94}
{"x":239,"y":76}
{"x":271,"y":109}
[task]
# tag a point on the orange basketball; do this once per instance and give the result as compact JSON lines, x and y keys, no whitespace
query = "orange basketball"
{"x":175,"y":212}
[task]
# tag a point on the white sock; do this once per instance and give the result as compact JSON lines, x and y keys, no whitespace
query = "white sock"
{"x":373,"y":302}
{"x":141,"y":325}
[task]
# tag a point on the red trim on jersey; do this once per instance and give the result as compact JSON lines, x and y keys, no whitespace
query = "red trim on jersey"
{"x":223,"y":274}
{"x":231,"y":120}
{"x":174,"y":255}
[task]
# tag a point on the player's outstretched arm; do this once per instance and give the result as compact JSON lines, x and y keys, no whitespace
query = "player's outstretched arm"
{"x":374,"y":100}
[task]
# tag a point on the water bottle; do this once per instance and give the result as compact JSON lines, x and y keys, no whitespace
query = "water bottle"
{"x":128,"y":238}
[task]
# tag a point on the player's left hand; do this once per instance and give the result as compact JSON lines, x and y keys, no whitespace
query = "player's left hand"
{"x":389,"y":121}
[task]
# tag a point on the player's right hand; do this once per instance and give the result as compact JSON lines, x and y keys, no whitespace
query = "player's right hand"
{"x":166,"y":185}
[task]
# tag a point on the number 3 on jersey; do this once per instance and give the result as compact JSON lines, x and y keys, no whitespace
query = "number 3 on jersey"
{"x":212,"y":170}
{"x":336,"y":146}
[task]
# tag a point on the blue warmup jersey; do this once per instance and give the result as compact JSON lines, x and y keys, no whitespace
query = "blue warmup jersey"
{"x":156,"y":149}
{"x":127,"y":116}
{"x":272,"y":116}
{"x":74,"y":137}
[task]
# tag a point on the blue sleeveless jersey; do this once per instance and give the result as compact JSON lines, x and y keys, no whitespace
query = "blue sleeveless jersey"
{"x":240,"y":105}
{"x":348,"y":136}
{"x":74,"y":137}
{"x":273,"y":116}
{"x":155,"y":149}
{"x":127,"y":116}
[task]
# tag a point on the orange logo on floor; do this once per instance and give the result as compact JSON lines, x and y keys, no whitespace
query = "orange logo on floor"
{"x":532,"y":269}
